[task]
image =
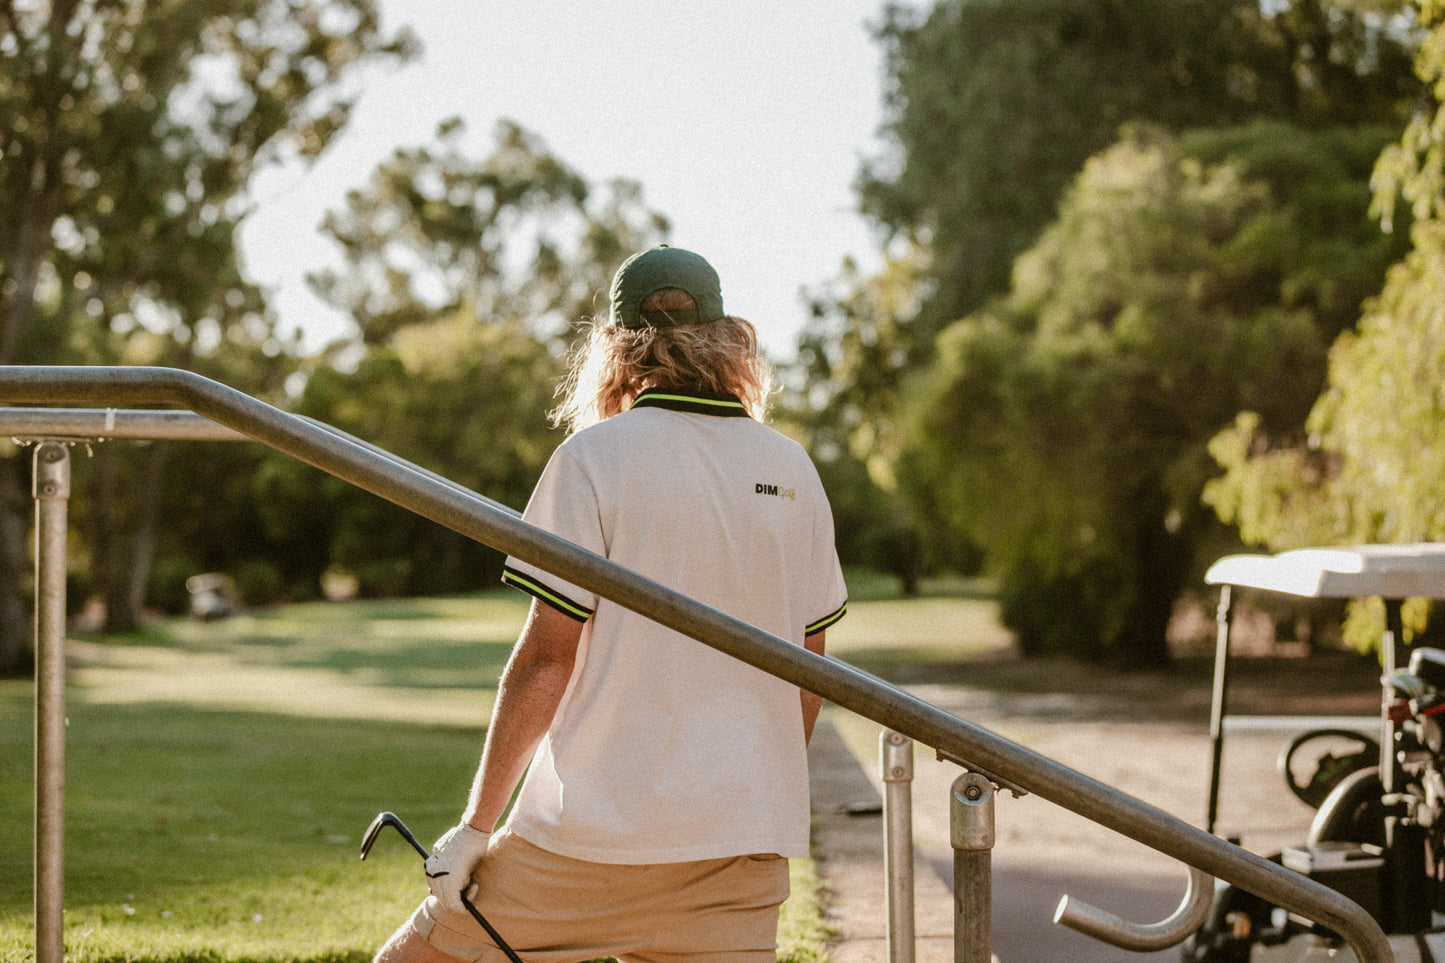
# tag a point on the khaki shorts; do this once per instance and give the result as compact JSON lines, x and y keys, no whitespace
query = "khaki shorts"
{"x":554,"y":909}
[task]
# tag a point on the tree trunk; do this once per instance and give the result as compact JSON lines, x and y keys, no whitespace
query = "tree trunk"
{"x":17,"y":650}
{"x":1146,"y":645}
{"x":1160,"y":567}
{"x":105,"y":537}
{"x":24,"y":254}
{"x":143,"y":551}
{"x":127,"y":572}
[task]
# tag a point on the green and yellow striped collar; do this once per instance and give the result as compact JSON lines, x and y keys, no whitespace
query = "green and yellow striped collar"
{"x":696,"y":402}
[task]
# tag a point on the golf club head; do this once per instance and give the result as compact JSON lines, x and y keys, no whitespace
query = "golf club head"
{"x":383,"y":820}
{"x":373,"y":831}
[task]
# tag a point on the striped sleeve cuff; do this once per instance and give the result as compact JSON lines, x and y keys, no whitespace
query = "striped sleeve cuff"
{"x":827,"y":620}
{"x":545,"y":594}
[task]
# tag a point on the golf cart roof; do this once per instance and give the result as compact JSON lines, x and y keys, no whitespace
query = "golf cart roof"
{"x":1358,"y":571}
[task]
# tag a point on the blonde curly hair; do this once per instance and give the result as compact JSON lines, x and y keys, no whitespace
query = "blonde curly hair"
{"x":612,"y":365}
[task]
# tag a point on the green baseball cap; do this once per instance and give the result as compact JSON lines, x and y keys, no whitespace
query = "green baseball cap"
{"x":665,"y":267}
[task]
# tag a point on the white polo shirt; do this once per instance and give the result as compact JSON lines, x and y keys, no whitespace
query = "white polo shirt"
{"x":664,"y":749}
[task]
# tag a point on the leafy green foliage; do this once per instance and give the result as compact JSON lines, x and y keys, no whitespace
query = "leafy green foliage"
{"x":852,"y":359}
{"x":517,"y":235}
{"x":995,"y":105}
{"x":459,"y":397}
{"x":129,"y":132}
{"x":1064,"y":428}
{"x":1370,"y":468}
{"x":993,"y":110}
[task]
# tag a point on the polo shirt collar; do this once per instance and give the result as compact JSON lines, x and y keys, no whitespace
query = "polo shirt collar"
{"x":695,"y":402}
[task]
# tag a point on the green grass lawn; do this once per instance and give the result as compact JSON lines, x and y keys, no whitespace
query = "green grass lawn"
{"x":219,"y":776}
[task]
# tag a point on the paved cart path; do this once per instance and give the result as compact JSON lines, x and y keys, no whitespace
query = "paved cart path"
{"x":1158,"y":754}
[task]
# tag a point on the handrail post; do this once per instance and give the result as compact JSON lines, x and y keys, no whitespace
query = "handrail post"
{"x":896,"y":758}
{"x":972,"y":836}
{"x":52,"y":494}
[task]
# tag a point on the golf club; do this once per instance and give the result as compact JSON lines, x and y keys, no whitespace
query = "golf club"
{"x":393,"y":820}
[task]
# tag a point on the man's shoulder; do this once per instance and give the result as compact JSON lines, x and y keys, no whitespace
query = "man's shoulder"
{"x":785,"y":445}
{"x":603,"y":435}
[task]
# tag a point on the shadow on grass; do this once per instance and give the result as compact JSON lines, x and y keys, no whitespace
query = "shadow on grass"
{"x":429,"y":663}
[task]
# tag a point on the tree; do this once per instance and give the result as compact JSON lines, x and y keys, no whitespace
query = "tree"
{"x":849,"y":374}
{"x":1371,"y":466}
{"x":461,"y":397}
{"x":164,"y":508}
{"x":517,"y":234}
{"x":131,"y":128}
{"x":995,"y":105}
{"x":1064,"y":428}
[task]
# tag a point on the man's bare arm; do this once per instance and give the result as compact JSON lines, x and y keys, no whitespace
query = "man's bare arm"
{"x":814,"y":643}
{"x":528,"y":695}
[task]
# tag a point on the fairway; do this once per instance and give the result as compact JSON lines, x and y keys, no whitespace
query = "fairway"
{"x":220,"y":775}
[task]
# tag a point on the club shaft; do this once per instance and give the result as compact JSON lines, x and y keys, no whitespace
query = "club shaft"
{"x":496,"y":937}
{"x":406,"y":834}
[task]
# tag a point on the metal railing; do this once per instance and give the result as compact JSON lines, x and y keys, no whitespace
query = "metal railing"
{"x":971,"y":836}
{"x":981,"y":751}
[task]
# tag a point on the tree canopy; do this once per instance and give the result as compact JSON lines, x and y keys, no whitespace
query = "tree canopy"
{"x":1112,"y":321}
{"x":129,"y":130}
{"x":995,"y":104}
{"x":1064,"y":429}
{"x":1111,"y":229}
{"x":1370,"y":466}
{"x":515,"y":234}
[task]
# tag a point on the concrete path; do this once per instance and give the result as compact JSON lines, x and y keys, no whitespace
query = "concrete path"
{"x":1043,"y":851}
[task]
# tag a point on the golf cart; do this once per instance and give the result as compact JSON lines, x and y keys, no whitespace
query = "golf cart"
{"x":1378,"y":836}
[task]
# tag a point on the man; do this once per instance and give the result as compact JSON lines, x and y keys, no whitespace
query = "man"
{"x":666,"y":783}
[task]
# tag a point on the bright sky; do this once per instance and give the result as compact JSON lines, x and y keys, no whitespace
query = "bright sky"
{"x":745,"y":122}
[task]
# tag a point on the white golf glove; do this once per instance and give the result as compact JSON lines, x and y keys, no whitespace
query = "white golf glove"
{"x":449,"y":867}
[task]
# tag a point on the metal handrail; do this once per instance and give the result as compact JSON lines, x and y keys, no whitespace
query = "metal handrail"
{"x":1141,"y":937}
{"x":836,"y":681}
{"x":108,"y":424}
{"x":103,"y":424}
